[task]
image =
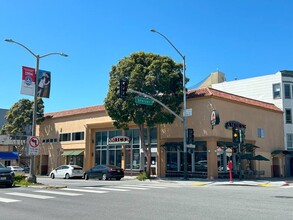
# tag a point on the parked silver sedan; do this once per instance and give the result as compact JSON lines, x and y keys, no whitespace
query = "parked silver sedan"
{"x":17,"y":169}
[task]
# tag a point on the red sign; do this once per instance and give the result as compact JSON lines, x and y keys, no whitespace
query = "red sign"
{"x":34,"y":142}
{"x":119,"y":140}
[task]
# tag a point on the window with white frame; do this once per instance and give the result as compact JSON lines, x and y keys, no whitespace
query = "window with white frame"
{"x":276,"y":91}
{"x":290,"y":141}
{"x":288,"y":116}
{"x":287,"y":91}
{"x":260,"y":133}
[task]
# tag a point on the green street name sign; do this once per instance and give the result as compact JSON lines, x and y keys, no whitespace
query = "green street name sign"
{"x":143,"y":101}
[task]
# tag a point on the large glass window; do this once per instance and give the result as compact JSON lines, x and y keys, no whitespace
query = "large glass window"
{"x":133,"y":150}
{"x":173,"y":162}
{"x":107,"y":154}
{"x":200,"y":153}
{"x":112,"y":154}
{"x":196,"y":158}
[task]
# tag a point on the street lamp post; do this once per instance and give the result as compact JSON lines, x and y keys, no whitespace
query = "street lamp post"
{"x":184,"y":104}
{"x":32,"y":177}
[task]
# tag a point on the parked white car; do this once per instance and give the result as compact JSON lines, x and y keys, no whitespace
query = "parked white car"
{"x":67,"y":171}
{"x":16,"y":169}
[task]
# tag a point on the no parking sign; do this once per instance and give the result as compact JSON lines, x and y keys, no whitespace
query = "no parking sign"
{"x":34,"y":145}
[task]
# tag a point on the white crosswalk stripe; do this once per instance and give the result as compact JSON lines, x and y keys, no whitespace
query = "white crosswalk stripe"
{"x":39,"y":194}
{"x":6,"y":200}
{"x":131,"y":187}
{"x":148,"y":186}
{"x":84,"y":190}
{"x":108,"y":189}
{"x":30,"y":195}
{"x":58,"y":193}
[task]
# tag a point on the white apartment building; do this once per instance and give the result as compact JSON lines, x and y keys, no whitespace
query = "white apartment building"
{"x":273,"y":88}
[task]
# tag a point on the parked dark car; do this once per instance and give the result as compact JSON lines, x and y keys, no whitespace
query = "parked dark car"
{"x":104,"y":172}
{"x":6,"y":176}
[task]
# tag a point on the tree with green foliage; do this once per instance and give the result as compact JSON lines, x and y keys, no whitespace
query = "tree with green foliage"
{"x":154,"y":75}
{"x":19,"y":119}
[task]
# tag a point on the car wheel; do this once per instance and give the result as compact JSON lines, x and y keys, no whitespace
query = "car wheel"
{"x":52,"y":176}
{"x":86,"y":176}
{"x":67,"y":176}
{"x":118,"y":178}
{"x":104,"y":177}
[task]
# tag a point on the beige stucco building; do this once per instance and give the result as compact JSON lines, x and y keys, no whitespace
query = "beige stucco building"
{"x":85,"y":137}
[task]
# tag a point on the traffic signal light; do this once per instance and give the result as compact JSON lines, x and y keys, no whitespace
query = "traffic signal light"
{"x":190,"y":136}
{"x":242,"y":136}
{"x":235,"y":136}
{"x":123,"y":88}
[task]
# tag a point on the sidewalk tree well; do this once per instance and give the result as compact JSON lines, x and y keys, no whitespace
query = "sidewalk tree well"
{"x":155,"y":75}
{"x":19,"y":121}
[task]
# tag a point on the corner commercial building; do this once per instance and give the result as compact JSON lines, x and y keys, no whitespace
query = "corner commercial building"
{"x":87,"y":137}
{"x":272,"y":88}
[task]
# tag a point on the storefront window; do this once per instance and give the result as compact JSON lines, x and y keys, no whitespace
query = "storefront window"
{"x":112,"y":154}
{"x":107,"y":154}
{"x":115,"y":155}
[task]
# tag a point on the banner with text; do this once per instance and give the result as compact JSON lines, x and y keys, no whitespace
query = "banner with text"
{"x":28,"y":81}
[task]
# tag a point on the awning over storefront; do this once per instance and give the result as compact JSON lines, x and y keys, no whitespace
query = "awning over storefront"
{"x":72,"y":152}
{"x":275,"y":152}
{"x":8,"y":155}
{"x":244,"y":147}
{"x":224,"y":143}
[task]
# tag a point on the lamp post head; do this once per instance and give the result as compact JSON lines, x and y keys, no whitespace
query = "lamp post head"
{"x":64,"y":55}
{"x":153,"y":30}
{"x":9,"y":40}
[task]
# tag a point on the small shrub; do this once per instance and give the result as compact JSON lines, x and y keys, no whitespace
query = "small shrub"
{"x":22,"y":181}
{"x":19,"y":178}
{"x":142,"y":176}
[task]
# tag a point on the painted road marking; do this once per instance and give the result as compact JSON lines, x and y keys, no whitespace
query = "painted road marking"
{"x":8,"y":200}
{"x":30,"y":195}
{"x":84,"y":190}
{"x":59,"y":193}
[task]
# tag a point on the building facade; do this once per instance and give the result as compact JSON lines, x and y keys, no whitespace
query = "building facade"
{"x":273,"y":88}
{"x":87,"y":137}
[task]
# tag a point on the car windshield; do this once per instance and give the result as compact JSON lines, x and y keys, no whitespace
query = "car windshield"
{"x":2,"y":166}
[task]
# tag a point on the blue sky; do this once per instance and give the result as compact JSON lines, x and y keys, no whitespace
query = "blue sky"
{"x":242,"y":38}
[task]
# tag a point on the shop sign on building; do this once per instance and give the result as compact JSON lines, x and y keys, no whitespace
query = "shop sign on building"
{"x":215,"y":118}
{"x":119,"y":140}
{"x":235,"y":125}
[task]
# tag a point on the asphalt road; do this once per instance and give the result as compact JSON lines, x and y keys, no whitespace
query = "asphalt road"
{"x":132,"y":199}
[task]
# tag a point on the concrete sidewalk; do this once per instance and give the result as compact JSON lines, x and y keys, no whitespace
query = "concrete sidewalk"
{"x":265,"y":182}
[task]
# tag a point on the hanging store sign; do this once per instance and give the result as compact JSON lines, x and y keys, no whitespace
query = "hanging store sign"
{"x":119,"y":140}
{"x":234,"y":124}
{"x":215,"y":118}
